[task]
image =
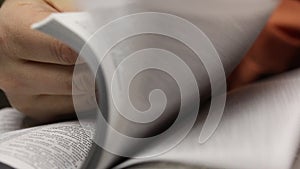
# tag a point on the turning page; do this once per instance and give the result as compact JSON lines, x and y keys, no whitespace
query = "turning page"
{"x":230,"y":45}
{"x":260,"y":129}
{"x":74,"y":29}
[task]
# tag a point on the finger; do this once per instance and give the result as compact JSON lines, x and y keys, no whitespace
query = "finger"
{"x":276,"y":49}
{"x":44,"y":108}
{"x":32,"y":78}
{"x":50,"y":79}
{"x":47,"y":108}
{"x":83,"y":81}
{"x":247,"y":72}
{"x":30,"y":44}
{"x":53,"y":79}
{"x":38,"y":78}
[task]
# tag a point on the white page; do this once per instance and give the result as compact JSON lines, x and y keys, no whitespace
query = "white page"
{"x":238,"y":30}
{"x":231,"y":25}
{"x":10,"y":120}
{"x":74,"y":29}
{"x":56,"y":146}
{"x":260,"y":129}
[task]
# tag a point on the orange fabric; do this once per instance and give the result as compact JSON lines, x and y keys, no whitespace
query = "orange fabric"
{"x":276,"y":50}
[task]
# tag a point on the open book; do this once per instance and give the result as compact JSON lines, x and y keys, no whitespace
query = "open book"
{"x":259,"y":129}
{"x":254,"y":134}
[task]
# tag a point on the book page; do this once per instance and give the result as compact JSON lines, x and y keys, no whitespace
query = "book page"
{"x":231,"y":45}
{"x":56,"y":146}
{"x":74,"y":29}
{"x":260,"y":129}
{"x":10,"y":120}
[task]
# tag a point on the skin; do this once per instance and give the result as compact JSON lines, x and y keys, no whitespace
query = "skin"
{"x":276,"y":50}
{"x":35,"y":69}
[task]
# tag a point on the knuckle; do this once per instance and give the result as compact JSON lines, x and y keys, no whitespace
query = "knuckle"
{"x":63,"y":53}
{"x":56,"y":48}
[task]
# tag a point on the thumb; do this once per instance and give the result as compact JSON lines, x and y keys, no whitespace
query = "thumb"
{"x":32,"y":45}
{"x":247,"y":72}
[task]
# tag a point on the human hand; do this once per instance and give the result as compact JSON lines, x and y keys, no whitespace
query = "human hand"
{"x":276,"y":50}
{"x":35,"y":69}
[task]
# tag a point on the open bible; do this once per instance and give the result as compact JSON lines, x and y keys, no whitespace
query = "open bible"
{"x":66,"y":145}
{"x":260,"y":127}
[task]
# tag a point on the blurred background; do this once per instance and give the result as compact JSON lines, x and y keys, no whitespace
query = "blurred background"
{"x":3,"y":100}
